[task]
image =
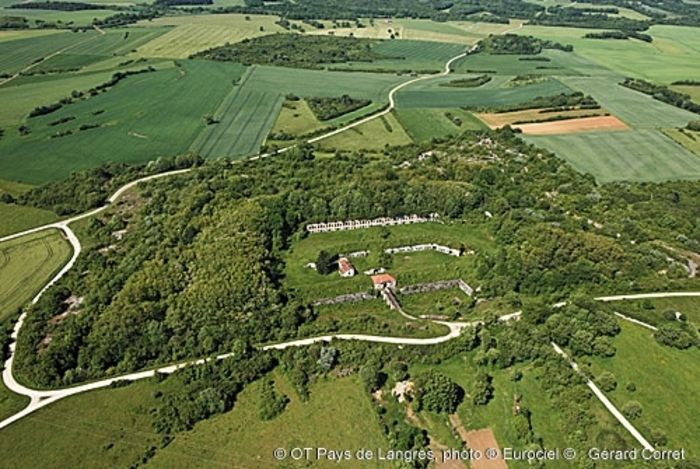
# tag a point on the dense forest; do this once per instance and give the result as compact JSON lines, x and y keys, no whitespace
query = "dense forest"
{"x":520,"y":45}
{"x":329,"y":108}
{"x":60,"y":6}
{"x":291,"y":50}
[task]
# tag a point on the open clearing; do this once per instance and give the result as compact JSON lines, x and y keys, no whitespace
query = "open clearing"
{"x":423,"y":124}
{"x":652,"y":310}
{"x":372,"y":135}
{"x":634,"y":155}
{"x":296,"y":118}
{"x":194,"y":33}
{"x":240,"y":439}
{"x":369,"y":317}
{"x":26,"y":264}
{"x":666,"y":381}
{"x":409,"y":269}
{"x":105,"y":428}
{"x":584,"y":124}
{"x":482,"y":440}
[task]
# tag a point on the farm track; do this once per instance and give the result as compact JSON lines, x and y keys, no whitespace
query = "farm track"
{"x":42,"y":398}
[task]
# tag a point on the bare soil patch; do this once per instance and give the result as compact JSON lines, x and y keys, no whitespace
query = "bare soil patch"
{"x":496,"y":120}
{"x":586,"y":124}
{"x":479,"y":440}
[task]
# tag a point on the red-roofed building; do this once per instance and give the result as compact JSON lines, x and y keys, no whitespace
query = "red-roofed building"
{"x":383,"y":281}
{"x":345,"y":268}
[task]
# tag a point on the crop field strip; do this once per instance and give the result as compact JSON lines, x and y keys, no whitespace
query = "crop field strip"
{"x":190,"y":34}
{"x":434,"y":95}
{"x":142,"y":124}
{"x":423,"y":124}
{"x":20,"y":53}
{"x":634,"y":155}
{"x":245,"y":120}
{"x":26,"y":264}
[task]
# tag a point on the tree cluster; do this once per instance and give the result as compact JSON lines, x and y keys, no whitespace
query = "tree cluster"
{"x":326,"y":108}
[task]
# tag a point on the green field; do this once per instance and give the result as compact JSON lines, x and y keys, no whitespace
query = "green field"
{"x":409,"y":269}
{"x":368,"y":317}
{"x":674,"y":54}
{"x":26,"y":264}
{"x":372,"y":135}
{"x":634,"y":108}
{"x":688,"y":139}
{"x":245,"y":116}
{"x":423,"y":124}
{"x":634,"y":155}
{"x":145,"y":116}
{"x":296,"y":118}
{"x":666,"y":381}
{"x":63,"y":18}
{"x":105,"y":428}
{"x":240,"y":439}
{"x":10,"y":403}
{"x":560,"y":63}
{"x":194,"y":33}
{"x":495,"y":93}
{"x":16,"y":218}
{"x":18,"y":54}
{"x":652,"y":310}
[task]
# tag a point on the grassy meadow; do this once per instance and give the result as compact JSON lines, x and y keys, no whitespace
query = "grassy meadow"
{"x":105,"y":428}
{"x":408,"y":268}
{"x":372,"y":135}
{"x":240,"y":439}
{"x":652,"y":310}
{"x":547,"y":421}
{"x":666,"y":382}
{"x":423,"y":124}
{"x":369,"y":317}
{"x":26,"y":264}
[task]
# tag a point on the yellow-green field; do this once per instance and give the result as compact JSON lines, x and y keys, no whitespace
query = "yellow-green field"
{"x":372,"y":135}
{"x":191,"y":34}
{"x":666,"y":382}
{"x":26,"y":264}
{"x":296,"y":118}
{"x":240,"y":439}
{"x":688,"y":139}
